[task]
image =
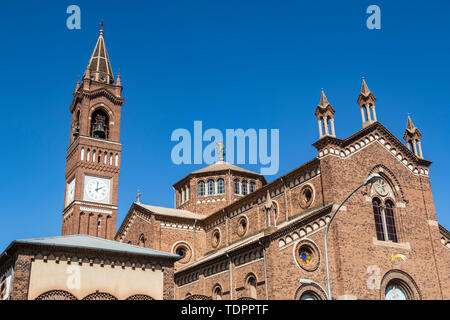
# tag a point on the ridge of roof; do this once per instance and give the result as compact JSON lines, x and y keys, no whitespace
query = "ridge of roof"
{"x":89,"y":242}
{"x":172,"y":212}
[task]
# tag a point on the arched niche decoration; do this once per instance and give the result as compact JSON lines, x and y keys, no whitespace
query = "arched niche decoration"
{"x":197,"y":297}
{"x":140,"y":297}
{"x":312,"y":290}
{"x":56,"y":295}
{"x":100,"y":296}
{"x":401,"y":280}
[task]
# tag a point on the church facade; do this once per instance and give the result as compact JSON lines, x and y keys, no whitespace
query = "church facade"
{"x":234,"y":236}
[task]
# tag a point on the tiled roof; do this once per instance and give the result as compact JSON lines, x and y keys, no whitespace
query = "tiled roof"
{"x":89,"y":242}
{"x":222,"y":166}
{"x":172,"y":212}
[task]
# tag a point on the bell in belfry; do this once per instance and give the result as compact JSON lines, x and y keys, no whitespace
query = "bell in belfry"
{"x":76,"y":131}
{"x":99,"y":127}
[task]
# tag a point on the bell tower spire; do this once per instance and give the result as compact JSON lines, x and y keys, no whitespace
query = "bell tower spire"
{"x":99,"y":65}
{"x":366,"y":101}
{"x":325,"y":117}
{"x":412,"y":137}
{"x":93,"y":156}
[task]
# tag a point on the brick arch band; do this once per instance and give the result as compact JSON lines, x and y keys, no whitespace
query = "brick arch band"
{"x":403,"y":279}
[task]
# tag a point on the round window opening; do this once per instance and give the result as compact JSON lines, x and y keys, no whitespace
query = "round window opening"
{"x":307,"y":195}
{"x":242,"y":226}
{"x":181,"y":252}
{"x":184,"y":252}
{"x":307,"y":255}
{"x":216,"y":238}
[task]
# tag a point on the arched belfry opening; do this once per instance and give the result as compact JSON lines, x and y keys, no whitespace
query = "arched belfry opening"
{"x":76,"y":124}
{"x":99,"y":124}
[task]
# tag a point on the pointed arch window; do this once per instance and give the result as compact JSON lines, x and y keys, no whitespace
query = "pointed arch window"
{"x":76,"y":124}
{"x":142,"y":241}
{"x":211,"y":187}
{"x":384,"y":220}
{"x":376,"y":203}
{"x":252,"y":186}
{"x":217,"y":292}
{"x":244,"y":188}
{"x":201,"y":188}
{"x":390,"y":221}
{"x":251,"y":286}
{"x":236,"y":187}
{"x":220,"y":186}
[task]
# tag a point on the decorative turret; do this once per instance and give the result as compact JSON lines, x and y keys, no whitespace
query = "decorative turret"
{"x":325,"y":116}
{"x":366,"y":101}
{"x":412,"y":137}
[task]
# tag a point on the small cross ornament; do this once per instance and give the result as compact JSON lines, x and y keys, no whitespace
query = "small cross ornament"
{"x":138,"y":196}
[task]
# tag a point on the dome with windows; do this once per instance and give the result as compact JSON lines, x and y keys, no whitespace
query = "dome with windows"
{"x":211,"y":188}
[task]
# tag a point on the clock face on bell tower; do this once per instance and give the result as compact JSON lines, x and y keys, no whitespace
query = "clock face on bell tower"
{"x":93,"y":156}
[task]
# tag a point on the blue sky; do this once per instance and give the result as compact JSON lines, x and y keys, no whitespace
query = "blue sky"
{"x":258,"y":64}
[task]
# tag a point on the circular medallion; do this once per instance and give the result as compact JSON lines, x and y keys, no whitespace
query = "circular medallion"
{"x":307,"y":255}
{"x":381,"y":187}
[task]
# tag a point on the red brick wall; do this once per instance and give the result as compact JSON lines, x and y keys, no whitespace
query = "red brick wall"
{"x":22,"y":271}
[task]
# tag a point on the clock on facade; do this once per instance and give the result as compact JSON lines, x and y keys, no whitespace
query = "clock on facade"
{"x":70,"y":192}
{"x":96,"y":189}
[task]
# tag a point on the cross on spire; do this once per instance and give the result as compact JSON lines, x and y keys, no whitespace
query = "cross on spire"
{"x":138,"y":196}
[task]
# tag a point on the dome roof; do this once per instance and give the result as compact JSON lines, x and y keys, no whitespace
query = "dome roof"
{"x":223,"y":166}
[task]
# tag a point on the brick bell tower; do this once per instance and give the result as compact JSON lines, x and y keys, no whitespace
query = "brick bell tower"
{"x":93,"y":156}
